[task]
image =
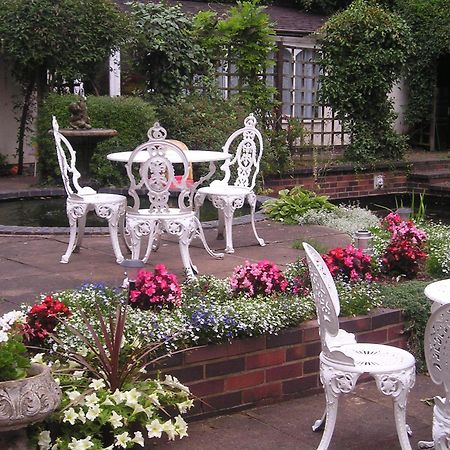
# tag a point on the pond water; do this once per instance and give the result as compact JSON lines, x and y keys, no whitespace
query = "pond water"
{"x":436,"y":208}
{"x":51,"y":212}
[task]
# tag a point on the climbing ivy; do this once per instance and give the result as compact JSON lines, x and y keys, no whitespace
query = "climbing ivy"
{"x":363,"y":50}
{"x":429,"y":21}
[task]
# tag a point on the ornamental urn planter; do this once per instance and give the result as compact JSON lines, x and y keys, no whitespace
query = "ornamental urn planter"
{"x":28,"y":400}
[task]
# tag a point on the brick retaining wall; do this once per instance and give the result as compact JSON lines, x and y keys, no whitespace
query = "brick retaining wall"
{"x":270,"y":368}
{"x":343,"y":182}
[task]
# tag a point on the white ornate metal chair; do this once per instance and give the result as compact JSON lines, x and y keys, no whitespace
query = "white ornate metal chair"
{"x":156,"y":176}
{"x":437,"y":355}
{"x":237,"y":185}
{"x":81,"y":200}
{"x":343,"y":360}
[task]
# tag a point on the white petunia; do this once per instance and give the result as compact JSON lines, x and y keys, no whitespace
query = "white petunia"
{"x":138,"y":408}
{"x":3,"y":336}
{"x":181,"y":426}
{"x":123,"y":439}
{"x":44,"y":440}
{"x":169,"y":428}
{"x":154,"y":399}
{"x":91,"y":400}
{"x":73,"y":395}
{"x":78,"y":374}
{"x":118,"y":396}
{"x":81,"y":444}
{"x":116,"y":420}
{"x":108,"y":402}
{"x":138,"y":438}
{"x":97,"y":384}
{"x":155,"y":429}
{"x":132,"y":397}
{"x":38,"y":358}
{"x":70,"y":416}
{"x":93,"y":412}
{"x":184,"y":406}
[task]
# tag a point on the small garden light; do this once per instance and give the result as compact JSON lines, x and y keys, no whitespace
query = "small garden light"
{"x":363,"y":240}
{"x":404,"y":213}
{"x":131,"y":267}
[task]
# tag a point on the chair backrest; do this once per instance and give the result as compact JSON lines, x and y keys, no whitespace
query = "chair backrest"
{"x":157,"y":174}
{"x":437,"y":349}
{"x":325,"y":297}
{"x":67,"y":161}
{"x":247,"y":156}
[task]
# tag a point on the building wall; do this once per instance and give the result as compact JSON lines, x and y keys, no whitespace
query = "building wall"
{"x":9,"y":94}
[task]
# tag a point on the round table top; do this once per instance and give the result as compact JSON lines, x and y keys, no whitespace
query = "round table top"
{"x":439,"y":291}
{"x":193,"y":156}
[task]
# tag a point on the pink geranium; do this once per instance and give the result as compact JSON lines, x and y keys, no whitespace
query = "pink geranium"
{"x":405,"y":251}
{"x":261,"y":278}
{"x":157,"y":288}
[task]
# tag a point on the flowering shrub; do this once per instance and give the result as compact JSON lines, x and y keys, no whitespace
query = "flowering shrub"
{"x":299,"y":282}
{"x":158,"y":288}
{"x":13,"y":359}
{"x":350,"y":263}
{"x":261,"y":278}
{"x":93,"y":417}
{"x":406,"y":248}
{"x":42,"y":319}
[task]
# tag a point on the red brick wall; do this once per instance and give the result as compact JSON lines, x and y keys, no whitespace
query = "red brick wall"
{"x":344,"y":182}
{"x":270,"y":368}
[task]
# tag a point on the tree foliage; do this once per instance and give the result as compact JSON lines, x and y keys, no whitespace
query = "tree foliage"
{"x":164,"y":48}
{"x":429,"y":21}
{"x":363,"y":51}
{"x":64,"y":36}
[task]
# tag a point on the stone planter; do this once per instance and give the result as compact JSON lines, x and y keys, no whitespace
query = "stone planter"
{"x":29,"y":400}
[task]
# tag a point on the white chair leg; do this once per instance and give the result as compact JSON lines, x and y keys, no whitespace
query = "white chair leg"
{"x":332,"y":399}
{"x":74,"y":213}
{"x":220,"y":225}
{"x":201,"y":235}
{"x":80,"y":234}
{"x":153,"y":240}
{"x":319,"y":424}
{"x":398,"y":385}
{"x":251,"y":198}
{"x":183,"y":243}
{"x":113,"y":224}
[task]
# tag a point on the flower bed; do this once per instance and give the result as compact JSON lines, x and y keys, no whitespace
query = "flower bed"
{"x":268,"y":368}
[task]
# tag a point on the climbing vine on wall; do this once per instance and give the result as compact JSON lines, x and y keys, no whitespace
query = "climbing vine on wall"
{"x":363,"y":50}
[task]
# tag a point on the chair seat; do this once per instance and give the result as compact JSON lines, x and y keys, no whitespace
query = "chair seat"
{"x":372,"y":358}
{"x":97,"y":198}
{"x":224,"y":190}
{"x":173,"y":213}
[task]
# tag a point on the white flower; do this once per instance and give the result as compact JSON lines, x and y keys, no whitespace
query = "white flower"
{"x":38,"y":358}
{"x":118,"y":396}
{"x":184,"y":406}
{"x":70,"y":416}
{"x":93,"y":412}
{"x":132,"y":397}
{"x":44,"y":440}
{"x":138,"y":438}
{"x":138,"y":408}
{"x":123,"y":439}
{"x":154,"y":399}
{"x":81,"y":444}
{"x":116,"y":420}
{"x":91,"y":400}
{"x":78,"y":374}
{"x":108,"y":402}
{"x":82,"y":416}
{"x":181,"y":426}
{"x":155,"y":429}
{"x":97,"y":384}
{"x":169,"y":428}
{"x":73,"y":395}
{"x":3,"y":336}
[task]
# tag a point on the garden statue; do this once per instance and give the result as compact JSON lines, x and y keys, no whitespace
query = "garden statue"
{"x":79,"y":120}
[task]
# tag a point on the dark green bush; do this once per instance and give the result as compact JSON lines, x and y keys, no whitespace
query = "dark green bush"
{"x":409,"y":296}
{"x":130,"y":116}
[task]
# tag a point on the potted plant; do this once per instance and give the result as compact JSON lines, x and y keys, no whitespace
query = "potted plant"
{"x":28,"y":393}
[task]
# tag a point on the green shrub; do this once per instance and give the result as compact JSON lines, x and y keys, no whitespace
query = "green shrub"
{"x":131,"y":117}
{"x":409,"y":296}
{"x":292,"y":204}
